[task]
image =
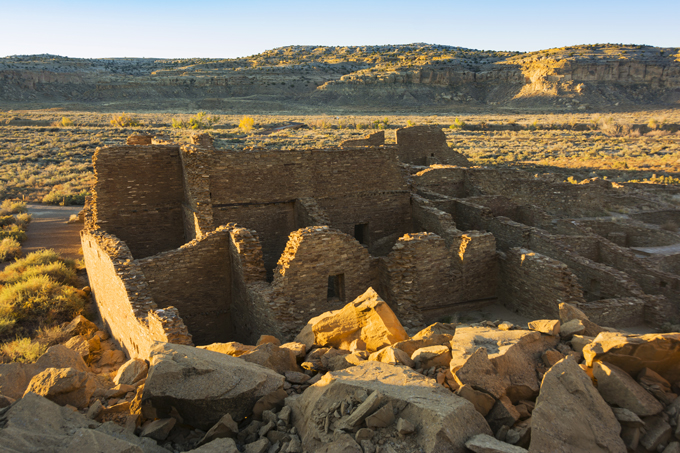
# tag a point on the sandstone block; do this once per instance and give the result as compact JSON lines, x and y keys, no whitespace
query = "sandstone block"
{"x":658,"y":432}
{"x":368,"y":317}
{"x":298,"y":349}
{"x":273,"y":357}
{"x":268,"y":339}
{"x":80,"y":345}
{"x":80,"y":326}
{"x":159,"y":429}
{"x":551,"y":357}
{"x":570,"y":415}
{"x":619,"y":389}
{"x":131,"y":372}
{"x":503,"y":413}
{"x":546,"y":326}
{"x":223,"y":445}
{"x":233,"y":348}
{"x":63,"y":386}
{"x":392,"y":356}
{"x":203,"y":385}
{"x":569,"y":312}
{"x":438,"y":330}
{"x":483,"y":443}
{"x":225,"y":427}
{"x":649,"y":377}
{"x":578,"y":342}
{"x":432,"y":356}
{"x":443,"y":421}
{"x":382,"y":418}
{"x":571,"y":328}
{"x":479,"y":373}
{"x":483,"y":402}
{"x":632,"y":353}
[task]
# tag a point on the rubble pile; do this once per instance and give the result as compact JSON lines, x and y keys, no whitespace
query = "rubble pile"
{"x":355,"y":381}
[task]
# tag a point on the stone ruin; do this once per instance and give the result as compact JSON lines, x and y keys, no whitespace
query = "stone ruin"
{"x":192,"y":244}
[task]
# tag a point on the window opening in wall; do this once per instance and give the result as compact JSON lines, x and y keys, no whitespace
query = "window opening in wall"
{"x":336,"y":287}
{"x":361,"y":232}
{"x":432,"y":155}
{"x":662,"y":284}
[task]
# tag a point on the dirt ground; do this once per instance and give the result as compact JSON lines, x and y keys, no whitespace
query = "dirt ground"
{"x":49,"y":228}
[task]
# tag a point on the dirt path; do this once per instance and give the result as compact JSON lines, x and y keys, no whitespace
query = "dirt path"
{"x":49,"y":229}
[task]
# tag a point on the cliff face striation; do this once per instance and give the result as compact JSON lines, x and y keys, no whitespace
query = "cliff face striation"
{"x":383,"y":77}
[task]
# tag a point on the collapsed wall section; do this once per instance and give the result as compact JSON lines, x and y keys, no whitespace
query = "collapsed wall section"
{"x":424,"y":145}
{"x":138,"y":196}
{"x":123,"y":298}
{"x":196,"y":279}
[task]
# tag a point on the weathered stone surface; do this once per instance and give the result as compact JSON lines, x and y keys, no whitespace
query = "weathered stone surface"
{"x":392,"y":356}
{"x":438,"y":330}
{"x":483,"y":443}
{"x":259,"y":446}
{"x":648,"y":377}
{"x":502,"y":414}
{"x":368,"y":317}
{"x":479,"y":373}
{"x":546,"y":326}
{"x":298,"y":349}
{"x":432,"y":356}
{"x":658,"y":432}
{"x":225,"y":427}
{"x":578,"y":342}
{"x":203,"y":385}
{"x":405,"y":427}
{"x":14,"y":377}
{"x":569,"y":312}
{"x":442,"y":420}
{"x":483,"y":402}
{"x":514,"y":353}
{"x":36,"y":424}
{"x":296,"y":377}
{"x":233,"y":348}
{"x":5,"y":401}
{"x":571,"y":328}
{"x":619,"y":389}
{"x":551,"y":357}
{"x":159,"y":429}
{"x":412,"y":345}
{"x":626,"y":417}
{"x":570,"y":415}
{"x":79,"y":344}
{"x":632,"y":353}
{"x":382,"y":418}
{"x":80,"y":326}
{"x":273,"y":357}
{"x":223,"y":445}
{"x":268,"y":339}
{"x":63,"y":386}
{"x":131,"y":372}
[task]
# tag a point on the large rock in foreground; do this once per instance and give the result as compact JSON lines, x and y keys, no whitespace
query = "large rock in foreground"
{"x":37,"y":424}
{"x":377,"y":394}
{"x":368,"y":318}
{"x":632,"y":353}
{"x":571,"y":416}
{"x":203,"y":385}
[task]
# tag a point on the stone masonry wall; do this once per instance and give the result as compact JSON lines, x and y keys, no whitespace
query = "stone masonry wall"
{"x":196,"y":278}
{"x":123,"y":298}
{"x":138,"y":196}
{"x":534,"y":285}
{"x":419,"y":145}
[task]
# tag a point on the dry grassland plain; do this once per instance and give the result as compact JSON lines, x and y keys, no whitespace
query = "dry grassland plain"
{"x":51,"y":160}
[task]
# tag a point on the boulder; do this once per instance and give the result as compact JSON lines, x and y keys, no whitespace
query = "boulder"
{"x":502,"y":414}
{"x":368,"y":317}
{"x":131,"y":371}
{"x":515,"y":354}
{"x":80,"y":326}
{"x":14,"y":377}
{"x":298,"y":349}
{"x":273,"y":357}
{"x":483,"y":402}
{"x":658,"y":432}
{"x":6,"y":401}
{"x":225,"y":427}
{"x":268,"y":339}
{"x":483,"y":443}
{"x":442,"y":421}
{"x":632,"y":353}
{"x":432,"y":356}
{"x":64,"y":386}
{"x":570,"y":415}
{"x":159,"y":429}
{"x":392,"y":356}
{"x":571,"y":328}
{"x":569,"y":312}
{"x":35,"y":423}
{"x":79,"y":344}
{"x":479,"y":373}
{"x":649,"y":378}
{"x":546,"y":326}
{"x":440,"y":330}
{"x":203,"y":385}
{"x":578,"y":342}
{"x":233,"y":348}
{"x":222,"y":445}
{"x":619,"y":389}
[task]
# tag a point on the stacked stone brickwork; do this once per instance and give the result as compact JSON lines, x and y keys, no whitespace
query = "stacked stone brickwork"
{"x":139,"y":140}
{"x":375,"y":139}
{"x":309,"y":213}
{"x":535,"y":285}
{"x":138,"y":196}
{"x":419,"y":145}
{"x":124,"y":299}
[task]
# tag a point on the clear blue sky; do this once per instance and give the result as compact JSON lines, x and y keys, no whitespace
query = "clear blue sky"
{"x":224,"y":29}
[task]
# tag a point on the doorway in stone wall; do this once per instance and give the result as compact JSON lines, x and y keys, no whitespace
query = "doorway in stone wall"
{"x":336,"y":287}
{"x":361,"y":233}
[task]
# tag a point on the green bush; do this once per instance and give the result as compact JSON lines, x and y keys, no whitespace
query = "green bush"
{"x":39,"y":258}
{"x":13,"y":231}
{"x":246,"y":124}
{"x":62,"y":198}
{"x":22,"y":350}
{"x":9,"y":249}
{"x":39,"y":301}
{"x":125,"y":120}
{"x":57,"y":271}
{"x":199,"y":121}
{"x":9,"y":207}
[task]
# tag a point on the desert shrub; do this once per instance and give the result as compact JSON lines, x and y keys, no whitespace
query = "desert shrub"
{"x":12,"y":207}
{"x":457,"y":124}
{"x":410,"y":123}
{"x":23,"y":219}
{"x":199,"y":121}
{"x":246,"y":124}
{"x":9,"y":249}
{"x":125,"y":120}
{"x":66,"y":122}
{"x":6,"y":220}
{"x":23,"y":350}
{"x":39,"y":258}
{"x":13,"y":231}
{"x":63,"y":198}
{"x":381,"y":124}
{"x":57,"y":271}
{"x":39,"y":301}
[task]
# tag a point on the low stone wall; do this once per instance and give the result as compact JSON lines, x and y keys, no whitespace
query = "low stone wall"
{"x":624,"y":312}
{"x":123,"y":298}
{"x":534,"y":285}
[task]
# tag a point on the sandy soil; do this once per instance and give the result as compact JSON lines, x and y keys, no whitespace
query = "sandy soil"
{"x":50,"y":229}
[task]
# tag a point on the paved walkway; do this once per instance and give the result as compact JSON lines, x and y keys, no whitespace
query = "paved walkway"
{"x":49,"y":228}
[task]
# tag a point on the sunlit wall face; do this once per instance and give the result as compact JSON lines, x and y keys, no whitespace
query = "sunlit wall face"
{"x":227,"y":29}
